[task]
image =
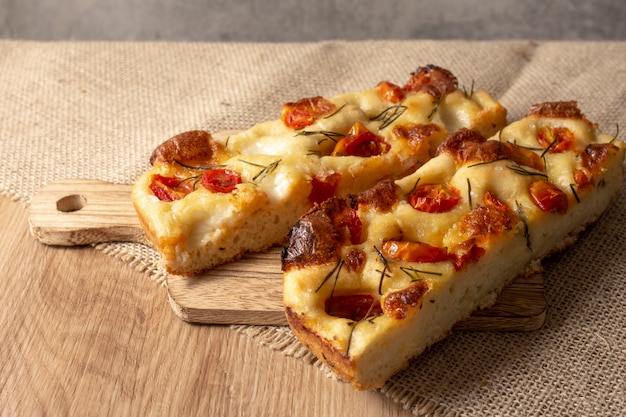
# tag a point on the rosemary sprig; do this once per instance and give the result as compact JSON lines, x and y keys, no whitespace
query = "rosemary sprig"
{"x":265,"y":169}
{"x":436,"y":104}
{"x":385,"y":272}
{"x":545,"y":151}
{"x":336,"y":269}
{"x":616,"y":133}
{"x":195,"y":180}
{"x":353,"y":324}
{"x":469,"y":193}
{"x":487,"y":162}
{"x":333,"y":136}
{"x":389,"y":115}
{"x":573,"y":188}
{"x":198,"y":167}
{"x":414,"y":186}
{"x":336,"y":111}
{"x":518,"y":169}
{"x":522,"y":216}
{"x":529,"y":148}
{"x":414,"y":273}
{"x":471,"y":92}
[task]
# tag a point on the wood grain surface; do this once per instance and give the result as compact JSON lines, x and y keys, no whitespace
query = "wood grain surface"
{"x":78,"y":212}
{"x":85,"y":335}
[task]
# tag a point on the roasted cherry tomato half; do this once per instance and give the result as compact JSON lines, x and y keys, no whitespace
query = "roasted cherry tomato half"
{"x":558,"y":139}
{"x":548,"y":197}
{"x":220,"y":180}
{"x":353,"y":306}
{"x":360,"y":142}
{"x":390,"y":92}
{"x":322,"y":188}
{"x":464,"y":253}
{"x":304,"y":112}
{"x":434,"y":198}
{"x":166,"y":188}
{"x":414,"y":251}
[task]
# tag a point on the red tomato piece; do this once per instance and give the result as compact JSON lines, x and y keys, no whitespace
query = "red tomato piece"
{"x":220,"y":180}
{"x":323,"y":187}
{"x":548,"y":197}
{"x":390,"y":92}
{"x":558,"y":139}
{"x":165,"y":188}
{"x":360,"y":142}
{"x":348,"y":220}
{"x":434,"y":198}
{"x":491,"y":200}
{"x":583,"y":177}
{"x":414,"y":251}
{"x":354,"y":306}
{"x":464,"y":253}
{"x":304,"y":112}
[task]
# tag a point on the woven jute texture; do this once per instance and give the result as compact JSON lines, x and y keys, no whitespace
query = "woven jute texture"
{"x":97,"y":110}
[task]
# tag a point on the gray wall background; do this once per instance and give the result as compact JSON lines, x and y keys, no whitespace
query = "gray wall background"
{"x":302,"y":20}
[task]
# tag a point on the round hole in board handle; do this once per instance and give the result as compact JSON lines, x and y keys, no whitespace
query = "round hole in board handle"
{"x":71,"y":203}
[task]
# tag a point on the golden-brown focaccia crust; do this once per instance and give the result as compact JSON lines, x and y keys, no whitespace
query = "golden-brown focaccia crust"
{"x":207,"y":199}
{"x":372,"y":280}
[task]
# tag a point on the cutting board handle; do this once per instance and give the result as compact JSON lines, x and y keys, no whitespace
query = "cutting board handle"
{"x":82,"y":211}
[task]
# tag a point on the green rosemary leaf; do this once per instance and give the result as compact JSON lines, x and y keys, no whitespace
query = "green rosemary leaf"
{"x":616,"y":133}
{"x":414,"y":186}
{"x":471,"y":92}
{"x":518,"y":169}
{"x":389,"y":115}
{"x":487,"y":162}
{"x":265,"y":169}
{"x":573,"y":188}
{"x":195,"y":180}
{"x":385,"y":272}
{"x":328,"y":135}
{"x":469,"y":193}
{"x":336,"y":111}
{"x":414,"y":273}
{"x":522,"y":216}
{"x":198,"y":167}
{"x":336,"y":269}
{"x":434,"y":110}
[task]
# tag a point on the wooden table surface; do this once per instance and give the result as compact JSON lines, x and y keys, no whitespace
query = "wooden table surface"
{"x":84,"y":334}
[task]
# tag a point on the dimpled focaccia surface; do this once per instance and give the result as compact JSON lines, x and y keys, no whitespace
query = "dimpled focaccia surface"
{"x":372,"y":280}
{"x":209,"y":199}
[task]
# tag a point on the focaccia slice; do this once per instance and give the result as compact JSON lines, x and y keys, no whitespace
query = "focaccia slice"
{"x":372,"y":280}
{"x":209,"y":199}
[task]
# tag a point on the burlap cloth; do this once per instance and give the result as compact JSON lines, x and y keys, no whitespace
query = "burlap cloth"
{"x":96,"y":110}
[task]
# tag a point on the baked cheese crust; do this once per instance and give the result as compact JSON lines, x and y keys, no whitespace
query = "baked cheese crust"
{"x":373,"y":279}
{"x":207,"y":200}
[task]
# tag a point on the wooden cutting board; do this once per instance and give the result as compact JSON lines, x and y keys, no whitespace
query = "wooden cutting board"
{"x":81,"y":212}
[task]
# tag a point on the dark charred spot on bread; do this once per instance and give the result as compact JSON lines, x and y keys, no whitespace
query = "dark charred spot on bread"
{"x":486,"y":221}
{"x":415,"y":134}
{"x":466,"y":146}
{"x":595,"y":155}
{"x":316,"y":239}
{"x":396,"y":304}
{"x":558,"y":109}
{"x":382,"y":197}
{"x":195,"y":147}
{"x":457,"y":141}
{"x":354,"y":260}
{"x":433,"y":80}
